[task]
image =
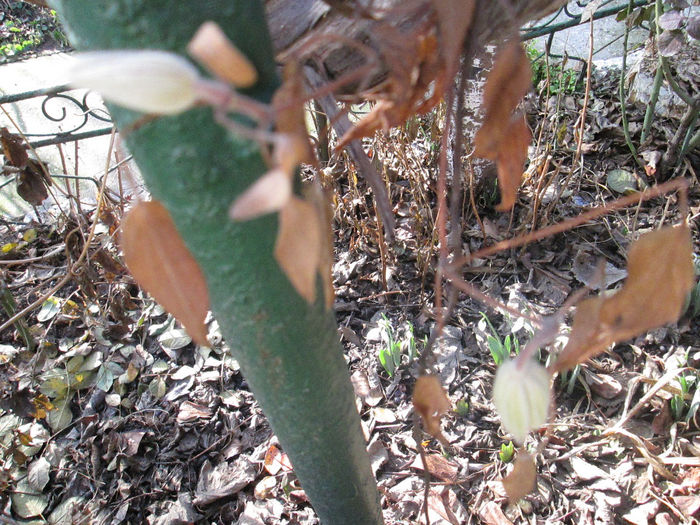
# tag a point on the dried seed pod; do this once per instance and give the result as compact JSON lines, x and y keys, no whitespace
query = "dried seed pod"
{"x":212,"y":48}
{"x":268,"y":194}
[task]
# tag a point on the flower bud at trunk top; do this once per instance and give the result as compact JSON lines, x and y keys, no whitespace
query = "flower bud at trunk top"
{"x":149,"y":81}
{"x":521,"y":393}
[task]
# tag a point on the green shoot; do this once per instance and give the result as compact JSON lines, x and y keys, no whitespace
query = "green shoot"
{"x":391,"y":354}
{"x":500,"y":349}
{"x":462,"y":408}
{"x":678,"y":401}
{"x":507,"y":452}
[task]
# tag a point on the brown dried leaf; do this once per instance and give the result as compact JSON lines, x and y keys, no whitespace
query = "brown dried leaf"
{"x":288,"y":103}
{"x":298,"y":246}
{"x":521,"y":481}
{"x":190,"y":412}
{"x":438,"y":466}
{"x":324,"y":210}
{"x":276,"y":461}
{"x":13,"y":148}
{"x":431,"y":402}
{"x":660,"y":275}
{"x":33,"y":183}
{"x":506,"y":85}
{"x":267,"y":194}
{"x":383,"y":115}
{"x":212,"y":48}
{"x":454,"y":19}
{"x":491,"y":513}
{"x":416,"y":84}
{"x":511,"y":157}
{"x":502,"y":138}
{"x":158,"y":259}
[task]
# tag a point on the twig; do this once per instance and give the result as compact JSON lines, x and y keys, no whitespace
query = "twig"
{"x":47,"y":255}
{"x":426,"y":473}
{"x":621,"y":88}
{"x":649,"y":114}
{"x":676,"y":147}
{"x":366,"y":169}
{"x":83,"y":254}
{"x":666,"y":378}
{"x":680,"y":185}
{"x":477,"y":294}
{"x":675,"y":86}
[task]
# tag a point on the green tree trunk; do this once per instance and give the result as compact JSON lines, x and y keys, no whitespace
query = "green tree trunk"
{"x":287,"y":349}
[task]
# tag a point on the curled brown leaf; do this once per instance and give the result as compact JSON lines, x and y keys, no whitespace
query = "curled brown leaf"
{"x":521,"y":480}
{"x":298,"y":246}
{"x":431,"y":402}
{"x":162,"y":264}
{"x":660,"y":275}
{"x":502,"y":137}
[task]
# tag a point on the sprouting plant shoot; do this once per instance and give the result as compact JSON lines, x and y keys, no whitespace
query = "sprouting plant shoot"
{"x":462,"y":408}
{"x":507,"y":452}
{"x":392,"y":351}
{"x":500,"y":349}
{"x":678,"y":401}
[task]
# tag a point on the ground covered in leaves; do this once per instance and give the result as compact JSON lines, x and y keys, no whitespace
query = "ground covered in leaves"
{"x":110,"y":414}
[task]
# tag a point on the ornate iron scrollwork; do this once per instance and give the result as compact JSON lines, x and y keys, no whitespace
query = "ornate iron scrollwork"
{"x":60,"y":104}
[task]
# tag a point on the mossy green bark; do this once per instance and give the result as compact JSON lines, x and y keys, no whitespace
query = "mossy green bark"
{"x":287,"y":349}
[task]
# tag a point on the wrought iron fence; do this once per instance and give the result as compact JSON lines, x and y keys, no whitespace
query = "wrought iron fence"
{"x":549,"y":26}
{"x":66,"y":108}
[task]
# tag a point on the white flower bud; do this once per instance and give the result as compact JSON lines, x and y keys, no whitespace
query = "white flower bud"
{"x":149,"y":81}
{"x":521,"y":393}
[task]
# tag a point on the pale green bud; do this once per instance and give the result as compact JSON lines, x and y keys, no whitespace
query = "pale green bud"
{"x":521,"y":393}
{"x":149,"y":81}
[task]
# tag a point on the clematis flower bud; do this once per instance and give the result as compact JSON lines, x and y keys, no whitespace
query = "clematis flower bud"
{"x":149,"y":81}
{"x":521,"y":393}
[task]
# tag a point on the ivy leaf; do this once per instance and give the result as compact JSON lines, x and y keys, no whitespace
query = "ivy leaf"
{"x":49,"y":309}
{"x":61,"y":416}
{"x":26,"y":502}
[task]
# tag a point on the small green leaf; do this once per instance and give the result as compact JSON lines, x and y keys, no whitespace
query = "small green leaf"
{"x":157,"y":387}
{"x":159,"y":366}
{"x":38,"y":474}
{"x":622,"y":181}
{"x":496,"y":349}
{"x":92,"y":361}
{"x":54,"y":383}
{"x":74,"y":363}
{"x":174,"y":339}
{"x":105,"y":378}
{"x":49,"y":309}
{"x":396,"y":354}
{"x":387,"y":362}
{"x":61,"y":416}
{"x":26,"y":502}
